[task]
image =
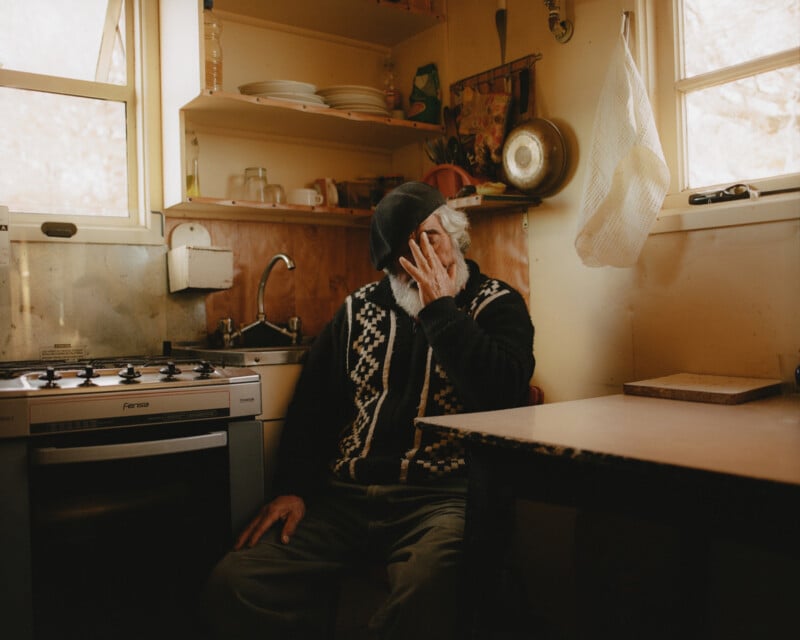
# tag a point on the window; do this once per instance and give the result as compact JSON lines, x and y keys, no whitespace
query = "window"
{"x":71,"y":120}
{"x":728,"y":94}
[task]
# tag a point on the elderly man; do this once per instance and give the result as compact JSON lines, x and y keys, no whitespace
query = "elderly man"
{"x":356,"y":479}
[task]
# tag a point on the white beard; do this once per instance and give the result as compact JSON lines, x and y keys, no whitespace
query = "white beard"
{"x":406,"y":293}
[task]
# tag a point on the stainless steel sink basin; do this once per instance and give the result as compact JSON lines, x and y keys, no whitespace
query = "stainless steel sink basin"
{"x":243,"y":356}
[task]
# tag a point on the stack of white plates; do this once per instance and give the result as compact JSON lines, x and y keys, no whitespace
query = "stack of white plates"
{"x":356,"y":98}
{"x":289,"y":90}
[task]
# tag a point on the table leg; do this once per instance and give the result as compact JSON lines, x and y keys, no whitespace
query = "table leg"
{"x":487,"y":536}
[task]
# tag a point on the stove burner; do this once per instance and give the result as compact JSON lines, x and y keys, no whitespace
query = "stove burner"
{"x":50,"y":377}
{"x":170,"y":371}
{"x":88,"y":372}
{"x":205,"y":369}
{"x":129,"y":374}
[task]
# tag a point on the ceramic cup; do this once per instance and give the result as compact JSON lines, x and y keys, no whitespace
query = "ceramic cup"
{"x":327,"y":188}
{"x":305,"y":196}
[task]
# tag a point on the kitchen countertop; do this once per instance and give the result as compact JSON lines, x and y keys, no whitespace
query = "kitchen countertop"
{"x":243,"y":356}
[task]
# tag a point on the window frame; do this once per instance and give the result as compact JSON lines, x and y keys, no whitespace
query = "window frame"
{"x":658,"y":56}
{"x":142,"y":98}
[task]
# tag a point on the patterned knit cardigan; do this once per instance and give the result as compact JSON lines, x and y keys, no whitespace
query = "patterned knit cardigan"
{"x":374,"y":369}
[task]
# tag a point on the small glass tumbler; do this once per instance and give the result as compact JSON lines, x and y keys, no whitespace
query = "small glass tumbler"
{"x":255,"y":184}
{"x":275,"y":194}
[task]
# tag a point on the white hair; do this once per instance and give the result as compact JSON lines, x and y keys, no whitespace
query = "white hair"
{"x":456,"y":224}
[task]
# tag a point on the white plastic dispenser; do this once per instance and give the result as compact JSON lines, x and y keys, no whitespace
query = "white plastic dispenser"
{"x":192,"y":263}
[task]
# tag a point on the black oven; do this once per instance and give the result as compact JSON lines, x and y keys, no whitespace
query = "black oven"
{"x":120,"y":499}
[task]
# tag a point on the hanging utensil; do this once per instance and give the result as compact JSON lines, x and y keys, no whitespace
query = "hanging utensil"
{"x":500,"y":22}
{"x":462,"y":159}
{"x":452,"y":150}
{"x":454,"y":147}
{"x":430,"y":151}
{"x":449,"y":122}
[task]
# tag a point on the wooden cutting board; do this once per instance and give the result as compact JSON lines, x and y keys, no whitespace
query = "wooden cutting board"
{"x":697,"y":387}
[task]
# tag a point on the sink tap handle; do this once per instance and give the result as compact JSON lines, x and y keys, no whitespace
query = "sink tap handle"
{"x":225,"y":328}
{"x":225,"y":325}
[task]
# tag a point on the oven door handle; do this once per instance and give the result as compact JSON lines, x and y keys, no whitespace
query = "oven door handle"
{"x":97,"y":453}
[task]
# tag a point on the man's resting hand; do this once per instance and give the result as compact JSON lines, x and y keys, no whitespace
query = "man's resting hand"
{"x":286,"y":509}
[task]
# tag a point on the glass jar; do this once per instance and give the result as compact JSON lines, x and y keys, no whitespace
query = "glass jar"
{"x":255,"y":184}
{"x":390,"y":92}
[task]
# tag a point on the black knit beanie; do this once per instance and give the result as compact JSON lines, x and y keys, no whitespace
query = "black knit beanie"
{"x":397,"y":215}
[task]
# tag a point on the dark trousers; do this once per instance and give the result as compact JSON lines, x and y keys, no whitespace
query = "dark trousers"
{"x":287,"y":591}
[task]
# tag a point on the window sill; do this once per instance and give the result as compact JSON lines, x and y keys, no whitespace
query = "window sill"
{"x":27,"y":231}
{"x":728,"y":214}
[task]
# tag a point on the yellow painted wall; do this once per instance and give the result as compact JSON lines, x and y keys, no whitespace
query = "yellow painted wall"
{"x":724,"y":301}
{"x":719,"y":300}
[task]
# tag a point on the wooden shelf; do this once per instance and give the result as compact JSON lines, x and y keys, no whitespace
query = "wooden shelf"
{"x":186,"y":105}
{"x":243,"y":210}
{"x":488,"y":203}
{"x":293,"y":119}
{"x":376,"y":21}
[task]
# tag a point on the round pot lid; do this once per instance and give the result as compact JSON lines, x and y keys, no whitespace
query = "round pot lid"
{"x":535,"y":158}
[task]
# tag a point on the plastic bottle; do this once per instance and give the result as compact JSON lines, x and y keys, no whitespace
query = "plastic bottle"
{"x":212,"y":28}
{"x":393,"y":98}
{"x":192,"y":165}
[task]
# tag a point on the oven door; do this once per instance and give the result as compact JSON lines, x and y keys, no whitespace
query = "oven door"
{"x":125,"y":526}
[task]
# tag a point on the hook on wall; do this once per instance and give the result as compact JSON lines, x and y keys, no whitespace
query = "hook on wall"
{"x":626,"y":25}
{"x":561,"y":29}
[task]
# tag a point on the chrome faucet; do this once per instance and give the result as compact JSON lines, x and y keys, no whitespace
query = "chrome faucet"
{"x":263,"y":283}
{"x":231,"y":337}
{"x":293,"y":330}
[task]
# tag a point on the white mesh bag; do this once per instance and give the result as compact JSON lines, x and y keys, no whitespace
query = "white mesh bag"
{"x":627,"y":177}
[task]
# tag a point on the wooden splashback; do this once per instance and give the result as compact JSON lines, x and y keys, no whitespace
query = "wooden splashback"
{"x":332,"y":262}
{"x":500,"y":247}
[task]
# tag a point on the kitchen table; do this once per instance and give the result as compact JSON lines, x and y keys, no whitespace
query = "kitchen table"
{"x":709,"y":469}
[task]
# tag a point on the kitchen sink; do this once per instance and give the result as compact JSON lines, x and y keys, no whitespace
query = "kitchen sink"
{"x":243,"y":356}
{"x":264,"y":334}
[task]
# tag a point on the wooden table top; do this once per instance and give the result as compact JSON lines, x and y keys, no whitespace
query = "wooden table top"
{"x":758,"y":439}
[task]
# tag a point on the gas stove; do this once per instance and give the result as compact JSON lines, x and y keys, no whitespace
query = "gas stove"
{"x":50,"y":397}
{"x":105,"y":464}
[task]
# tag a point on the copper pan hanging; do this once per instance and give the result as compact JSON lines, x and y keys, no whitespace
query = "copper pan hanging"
{"x":535,"y":157}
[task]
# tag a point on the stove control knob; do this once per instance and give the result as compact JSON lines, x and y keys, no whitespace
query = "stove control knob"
{"x":129,"y":373}
{"x":170,"y":370}
{"x":87,"y":372}
{"x":205,"y":369}
{"x":50,"y":376}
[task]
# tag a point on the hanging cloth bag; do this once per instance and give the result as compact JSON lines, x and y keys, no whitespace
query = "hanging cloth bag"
{"x":627,"y":177}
